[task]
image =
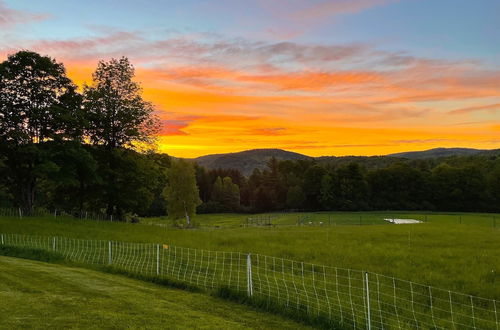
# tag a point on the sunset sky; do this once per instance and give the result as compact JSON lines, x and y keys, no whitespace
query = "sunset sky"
{"x":319,"y":77}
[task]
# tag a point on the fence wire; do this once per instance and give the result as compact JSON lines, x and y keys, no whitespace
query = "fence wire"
{"x":352,"y":298}
{"x":55,"y":213}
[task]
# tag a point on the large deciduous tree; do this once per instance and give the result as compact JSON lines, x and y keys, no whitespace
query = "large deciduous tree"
{"x":38,"y":103}
{"x":181,"y":191}
{"x":226,"y":194}
{"x":118,"y":117}
{"x":37,"y":100}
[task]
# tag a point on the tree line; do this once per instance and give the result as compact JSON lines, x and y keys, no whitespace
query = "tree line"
{"x":458,"y":183}
{"x":92,"y":149}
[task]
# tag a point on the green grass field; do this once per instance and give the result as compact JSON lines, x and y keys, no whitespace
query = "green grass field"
{"x":336,"y":218}
{"x":40,"y":295}
{"x":451,"y":251}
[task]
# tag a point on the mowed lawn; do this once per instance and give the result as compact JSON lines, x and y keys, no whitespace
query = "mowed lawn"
{"x":458,"y":252}
{"x":40,"y":295}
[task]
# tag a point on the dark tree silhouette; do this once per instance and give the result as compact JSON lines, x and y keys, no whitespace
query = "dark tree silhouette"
{"x":38,"y":103}
{"x":118,"y":115}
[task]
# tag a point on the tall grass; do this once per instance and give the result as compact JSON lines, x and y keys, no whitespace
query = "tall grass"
{"x":440,"y":252}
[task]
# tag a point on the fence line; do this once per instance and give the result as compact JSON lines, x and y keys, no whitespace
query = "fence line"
{"x":352,"y":298}
{"x":42,"y":212}
{"x":260,"y":220}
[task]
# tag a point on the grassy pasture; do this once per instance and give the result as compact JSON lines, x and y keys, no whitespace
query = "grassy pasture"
{"x":40,"y":295}
{"x":441,"y":252}
{"x":338,"y":218}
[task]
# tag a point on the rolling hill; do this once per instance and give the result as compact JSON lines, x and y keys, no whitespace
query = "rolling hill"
{"x":438,"y":153}
{"x":248,"y":160}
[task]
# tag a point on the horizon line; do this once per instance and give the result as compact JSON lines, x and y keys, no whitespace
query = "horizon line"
{"x":303,"y":154}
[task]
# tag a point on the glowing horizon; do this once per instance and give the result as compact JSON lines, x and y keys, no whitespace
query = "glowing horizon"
{"x":334,"y":77}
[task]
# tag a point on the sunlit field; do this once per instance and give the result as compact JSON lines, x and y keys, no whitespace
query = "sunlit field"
{"x":455,"y":251}
{"x":41,"y":295}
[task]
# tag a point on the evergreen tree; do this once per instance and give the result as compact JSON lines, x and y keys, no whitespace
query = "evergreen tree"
{"x":352,"y":187}
{"x":327,"y":197}
{"x":295,"y":198}
{"x":218,"y":191}
{"x":312,"y":186}
{"x":226,"y":194}
{"x":231,"y":195}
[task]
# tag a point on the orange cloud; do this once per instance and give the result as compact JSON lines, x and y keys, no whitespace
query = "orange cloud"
{"x":229,"y":95}
{"x":494,"y":107}
{"x":314,"y":80}
{"x":269,"y":131}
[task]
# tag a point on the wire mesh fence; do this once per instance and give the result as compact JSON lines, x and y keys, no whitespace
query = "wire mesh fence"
{"x":54,"y":213}
{"x":351,"y":298}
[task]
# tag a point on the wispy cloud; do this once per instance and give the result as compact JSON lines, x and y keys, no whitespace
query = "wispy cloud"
{"x":10,"y":17}
{"x":491,"y":107}
{"x":328,"y":8}
{"x":173,"y":127}
{"x":221,"y":92}
{"x":293,"y":18}
{"x":269,"y":131}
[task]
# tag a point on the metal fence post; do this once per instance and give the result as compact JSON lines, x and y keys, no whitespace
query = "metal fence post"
{"x":157,"y":259}
{"x":110,"y":256}
{"x":20,"y":213}
{"x":368,"y":316}
{"x":54,"y":243}
{"x":249,"y":276}
{"x":3,"y":242}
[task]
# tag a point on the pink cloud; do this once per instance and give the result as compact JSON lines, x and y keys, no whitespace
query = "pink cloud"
{"x":292,"y":18}
{"x":173,"y":127}
{"x":329,"y":8}
{"x":342,"y":83}
{"x":113,"y":44}
{"x":9,"y":17}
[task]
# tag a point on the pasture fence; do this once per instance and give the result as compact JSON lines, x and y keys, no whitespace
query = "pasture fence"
{"x":260,"y":220}
{"x":55,"y":213}
{"x":272,"y":220}
{"x":351,"y":299}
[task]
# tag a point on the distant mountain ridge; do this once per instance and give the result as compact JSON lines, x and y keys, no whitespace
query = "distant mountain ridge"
{"x":438,"y":153}
{"x":246,"y":161}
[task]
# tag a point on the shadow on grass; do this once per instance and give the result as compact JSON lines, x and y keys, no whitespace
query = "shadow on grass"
{"x":300,"y":314}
